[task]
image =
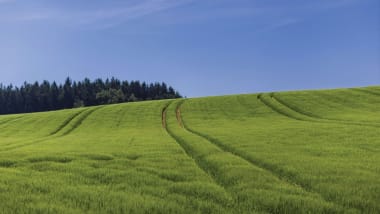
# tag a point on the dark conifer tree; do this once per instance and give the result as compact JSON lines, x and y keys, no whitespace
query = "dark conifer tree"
{"x":51,"y":96}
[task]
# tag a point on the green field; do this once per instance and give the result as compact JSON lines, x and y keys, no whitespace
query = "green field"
{"x":285,"y":152}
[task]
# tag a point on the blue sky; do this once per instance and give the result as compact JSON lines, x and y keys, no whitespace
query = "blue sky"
{"x":201,"y":47}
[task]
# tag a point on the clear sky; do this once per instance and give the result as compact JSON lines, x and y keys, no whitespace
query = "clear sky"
{"x":200,"y":47}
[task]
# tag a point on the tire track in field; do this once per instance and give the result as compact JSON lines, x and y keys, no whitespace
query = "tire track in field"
{"x":181,"y":144}
{"x":59,"y":128}
{"x":81,"y":117}
{"x":202,"y":166}
{"x":66,"y":122}
{"x":178,"y":116}
{"x":271,"y":169}
{"x":278,"y":110}
{"x":3,"y":122}
{"x":367,"y":91}
{"x":245,"y":105}
{"x":121,"y":114}
{"x":83,"y":114}
{"x":17,"y":146}
{"x":322,"y":119}
{"x":297,"y":114}
{"x":163,"y":116}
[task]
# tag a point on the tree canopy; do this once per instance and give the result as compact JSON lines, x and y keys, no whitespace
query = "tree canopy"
{"x":46,"y":96}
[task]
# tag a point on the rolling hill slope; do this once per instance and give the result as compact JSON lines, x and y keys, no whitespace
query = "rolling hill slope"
{"x":286,"y":152}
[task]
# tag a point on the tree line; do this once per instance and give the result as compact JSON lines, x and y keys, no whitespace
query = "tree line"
{"x":46,"y":96}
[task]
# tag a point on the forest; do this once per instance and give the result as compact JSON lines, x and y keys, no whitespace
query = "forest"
{"x":46,"y":96}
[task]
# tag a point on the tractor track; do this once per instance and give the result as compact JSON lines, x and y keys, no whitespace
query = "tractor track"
{"x":81,"y":117}
{"x":300,"y":115}
{"x":366,"y":91}
{"x":278,"y":110}
{"x":322,"y":119}
{"x":121,"y":114}
{"x":26,"y":144}
{"x":4,"y":122}
{"x":254,"y":162}
{"x":59,"y":128}
{"x":247,"y":106}
{"x":163,"y":116}
{"x":54,"y":135}
{"x":178,"y":116}
{"x":66,"y":122}
{"x":188,"y":151}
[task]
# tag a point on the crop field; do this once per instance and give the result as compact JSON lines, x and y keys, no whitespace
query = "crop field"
{"x":282,"y":152}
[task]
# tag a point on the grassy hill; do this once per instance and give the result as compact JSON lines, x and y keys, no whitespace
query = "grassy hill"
{"x":288,"y":152}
